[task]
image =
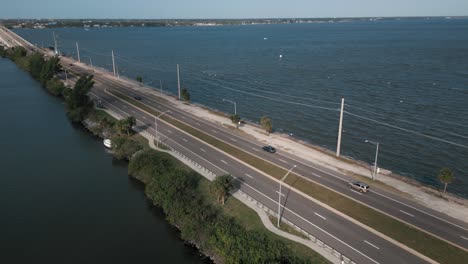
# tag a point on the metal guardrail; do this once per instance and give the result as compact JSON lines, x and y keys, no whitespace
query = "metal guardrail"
{"x":312,"y":238}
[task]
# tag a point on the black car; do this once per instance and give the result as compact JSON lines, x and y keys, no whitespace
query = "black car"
{"x":137,"y":98}
{"x":269,"y":149}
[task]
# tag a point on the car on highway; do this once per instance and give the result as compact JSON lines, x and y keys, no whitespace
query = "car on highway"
{"x":359,"y":186}
{"x":269,"y":149}
{"x":137,"y":98}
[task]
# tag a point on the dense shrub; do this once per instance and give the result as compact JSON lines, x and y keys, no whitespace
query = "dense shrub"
{"x":176,"y":191}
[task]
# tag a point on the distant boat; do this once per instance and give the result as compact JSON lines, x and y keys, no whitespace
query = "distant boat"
{"x":265,"y":38}
{"x":281,"y":56}
{"x":107,"y":143}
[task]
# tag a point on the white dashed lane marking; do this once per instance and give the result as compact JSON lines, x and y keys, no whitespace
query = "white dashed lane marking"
{"x":371,"y":244}
{"x":248,"y":175}
{"x":282,"y":194}
{"x":320,"y":216}
{"x":406,"y":213}
{"x":224,"y":162}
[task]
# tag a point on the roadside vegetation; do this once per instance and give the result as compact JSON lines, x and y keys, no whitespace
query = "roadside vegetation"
{"x":420,"y":241}
{"x":206,"y":219}
{"x":445,"y":176}
{"x":185,"y":95}
{"x":200,"y":218}
{"x":266,"y":123}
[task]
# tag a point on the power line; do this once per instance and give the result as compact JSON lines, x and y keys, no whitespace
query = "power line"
{"x":264,"y":91}
{"x":266,"y":97}
{"x":430,"y":118}
{"x":410,"y":122}
{"x":408,"y":130}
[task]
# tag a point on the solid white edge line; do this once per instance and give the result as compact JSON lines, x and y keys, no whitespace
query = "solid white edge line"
{"x":285,"y":208}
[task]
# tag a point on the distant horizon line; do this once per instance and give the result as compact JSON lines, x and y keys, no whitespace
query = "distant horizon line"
{"x":344,"y":17}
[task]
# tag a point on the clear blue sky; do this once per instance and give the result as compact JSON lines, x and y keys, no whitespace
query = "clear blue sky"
{"x":228,"y":8}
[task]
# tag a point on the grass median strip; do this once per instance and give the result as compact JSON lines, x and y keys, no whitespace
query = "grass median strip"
{"x":420,"y":241}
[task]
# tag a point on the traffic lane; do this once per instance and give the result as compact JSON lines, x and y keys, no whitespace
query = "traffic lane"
{"x":395,"y":211}
{"x":268,"y":190}
{"x":349,"y":230}
{"x":409,"y":215}
{"x":144,"y":125}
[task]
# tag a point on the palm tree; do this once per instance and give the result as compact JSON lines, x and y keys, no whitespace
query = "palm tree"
{"x":221,"y":186}
{"x":446,"y":177}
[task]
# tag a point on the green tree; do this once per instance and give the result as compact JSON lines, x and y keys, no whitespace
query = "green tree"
{"x":36,"y":63}
{"x":55,"y":86}
{"x":266,"y":123}
{"x":77,"y":101}
{"x":124,"y":126}
{"x":51,"y":67}
{"x":221,"y":186}
{"x":235,"y":118}
{"x":185,"y":95}
{"x":445,"y":176}
{"x":139,"y":78}
{"x":125,"y":147}
{"x":19,"y":52}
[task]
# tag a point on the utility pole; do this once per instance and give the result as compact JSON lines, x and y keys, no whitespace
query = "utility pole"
{"x":374,"y":173}
{"x":156,"y":126}
{"x":117,"y":71}
{"x":55,"y":43}
{"x":279,"y":195}
{"x":340,"y":128}
{"x":113,"y":62}
{"x":90,"y":62}
{"x":160,"y":85}
{"x":178,"y":80}
{"x":78,"y":51}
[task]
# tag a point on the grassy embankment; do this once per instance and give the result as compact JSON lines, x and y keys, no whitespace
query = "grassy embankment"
{"x":420,"y":241}
{"x":231,"y":234}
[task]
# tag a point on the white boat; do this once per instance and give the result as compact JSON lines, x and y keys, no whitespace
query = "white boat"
{"x":107,"y":143}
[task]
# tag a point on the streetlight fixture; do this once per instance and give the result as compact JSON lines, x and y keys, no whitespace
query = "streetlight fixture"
{"x":374,"y":173}
{"x":156,"y":126}
{"x":232,"y":102}
{"x":279,"y":195}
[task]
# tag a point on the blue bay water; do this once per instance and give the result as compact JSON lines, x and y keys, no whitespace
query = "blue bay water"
{"x":405,"y":82}
{"x":63,"y":199}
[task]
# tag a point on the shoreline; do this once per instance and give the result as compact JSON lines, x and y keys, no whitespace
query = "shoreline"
{"x":426,"y":195}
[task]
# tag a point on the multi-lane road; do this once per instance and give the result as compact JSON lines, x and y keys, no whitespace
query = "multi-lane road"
{"x":351,"y":239}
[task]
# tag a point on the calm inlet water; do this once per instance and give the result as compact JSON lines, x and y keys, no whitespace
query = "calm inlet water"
{"x":62,"y":198}
{"x":405,"y":82}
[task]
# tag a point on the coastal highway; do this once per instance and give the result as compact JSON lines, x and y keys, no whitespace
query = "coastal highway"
{"x":426,"y":219}
{"x":348,"y":238}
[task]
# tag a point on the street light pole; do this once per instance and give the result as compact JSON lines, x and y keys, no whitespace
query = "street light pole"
{"x":279,"y":195}
{"x":232,"y":102}
{"x":374,"y":174}
{"x":156,"y":126}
